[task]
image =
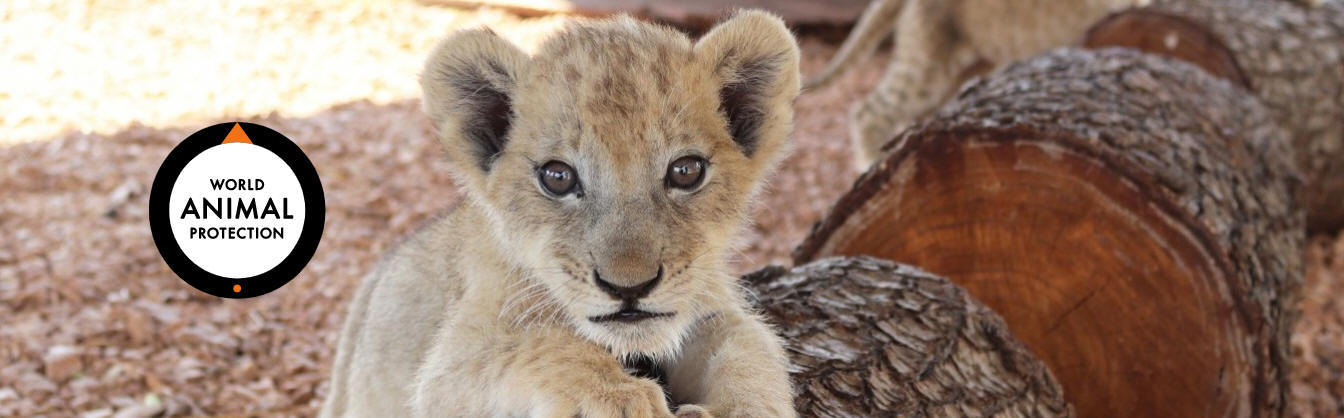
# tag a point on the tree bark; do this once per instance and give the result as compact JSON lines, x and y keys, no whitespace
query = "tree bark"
{"x":1129,"y":216}
{"x":871,"y":338}
{"x":1291,"y":57}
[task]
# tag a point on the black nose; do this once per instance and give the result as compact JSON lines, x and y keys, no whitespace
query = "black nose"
{"x":630,"y":293}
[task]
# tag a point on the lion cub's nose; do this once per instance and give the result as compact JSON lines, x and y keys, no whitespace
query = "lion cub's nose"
{"x":628,"y":293}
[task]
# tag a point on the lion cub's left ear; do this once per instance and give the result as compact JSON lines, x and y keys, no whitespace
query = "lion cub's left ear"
{"x":755,"y":59}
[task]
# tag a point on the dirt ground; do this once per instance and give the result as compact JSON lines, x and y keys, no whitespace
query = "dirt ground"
{"x":95,"y":95}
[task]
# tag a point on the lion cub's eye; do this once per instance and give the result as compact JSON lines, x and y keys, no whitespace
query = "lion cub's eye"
{"x":558,"y":178}
{"x":686,"y":172}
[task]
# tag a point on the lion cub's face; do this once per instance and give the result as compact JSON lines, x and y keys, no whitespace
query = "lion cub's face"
{"x":617,"y":164}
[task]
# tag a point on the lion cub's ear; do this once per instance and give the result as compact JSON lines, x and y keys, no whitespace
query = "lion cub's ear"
{"x":755,"y":59}
{"x":469,"y":84}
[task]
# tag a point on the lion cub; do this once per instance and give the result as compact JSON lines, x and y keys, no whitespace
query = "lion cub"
{"x":606,"y":176}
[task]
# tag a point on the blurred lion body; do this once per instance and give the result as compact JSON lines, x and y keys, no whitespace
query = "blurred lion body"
{"x":937,"y":42}
{"x":493,"y":310}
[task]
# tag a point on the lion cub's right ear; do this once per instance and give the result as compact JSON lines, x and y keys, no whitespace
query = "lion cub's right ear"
{"x":469,"y":83}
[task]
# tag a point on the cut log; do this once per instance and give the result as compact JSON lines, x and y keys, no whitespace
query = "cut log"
{"x":871,"y":338}
{"x":1291,"y":57}
{"x":1129,"y":216}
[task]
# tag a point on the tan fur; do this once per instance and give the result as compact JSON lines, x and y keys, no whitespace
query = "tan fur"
{"x":936,"y":41}
{"x":485,"y":312}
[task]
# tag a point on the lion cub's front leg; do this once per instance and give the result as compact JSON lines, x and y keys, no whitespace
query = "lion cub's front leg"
{"x":733,"y":366}
{"x":535,"y":372}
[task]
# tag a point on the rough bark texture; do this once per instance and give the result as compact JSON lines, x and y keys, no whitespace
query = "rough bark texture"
{"x":1291,"y":57}
{"x":1130,"y":216}
{"x":690,"y":13}
{"x":871,"y":338}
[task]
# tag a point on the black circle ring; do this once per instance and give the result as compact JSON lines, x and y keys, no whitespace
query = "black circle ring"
{"x":313,"y":222}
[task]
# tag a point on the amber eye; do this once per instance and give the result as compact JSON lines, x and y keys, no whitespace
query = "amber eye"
{"x":558,"y":178}
{"x":686,"y":172}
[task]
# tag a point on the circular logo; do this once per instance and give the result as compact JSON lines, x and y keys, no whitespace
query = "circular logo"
{"x":237,"y":210}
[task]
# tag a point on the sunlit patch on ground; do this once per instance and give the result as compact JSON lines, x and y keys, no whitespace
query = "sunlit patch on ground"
{"x":99,"y":66}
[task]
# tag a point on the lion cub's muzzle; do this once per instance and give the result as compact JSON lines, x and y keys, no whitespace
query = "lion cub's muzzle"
{"x":629,"y":296}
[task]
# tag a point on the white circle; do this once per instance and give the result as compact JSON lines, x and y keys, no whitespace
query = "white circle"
{"x":231,"y":233}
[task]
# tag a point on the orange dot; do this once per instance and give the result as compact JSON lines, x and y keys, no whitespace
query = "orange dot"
{"x":237,"y":288}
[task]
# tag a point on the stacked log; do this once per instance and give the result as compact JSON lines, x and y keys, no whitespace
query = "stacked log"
{"x":1290,"y":56}
{"x":1131,"y":217}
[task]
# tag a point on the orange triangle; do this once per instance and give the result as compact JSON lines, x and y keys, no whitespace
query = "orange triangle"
{"x":237,"y":135}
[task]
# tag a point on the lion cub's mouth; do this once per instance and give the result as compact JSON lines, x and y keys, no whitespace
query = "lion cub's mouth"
{"x":628,"y":315}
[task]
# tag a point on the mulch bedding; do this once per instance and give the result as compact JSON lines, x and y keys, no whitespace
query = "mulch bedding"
{"x":95,"y":325}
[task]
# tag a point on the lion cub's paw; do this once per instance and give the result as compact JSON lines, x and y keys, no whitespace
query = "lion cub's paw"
{"x":631,"y":398}
{"x":692,"y":411}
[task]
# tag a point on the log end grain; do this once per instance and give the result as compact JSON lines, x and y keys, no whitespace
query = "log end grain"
{"x":1167,"y":35}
